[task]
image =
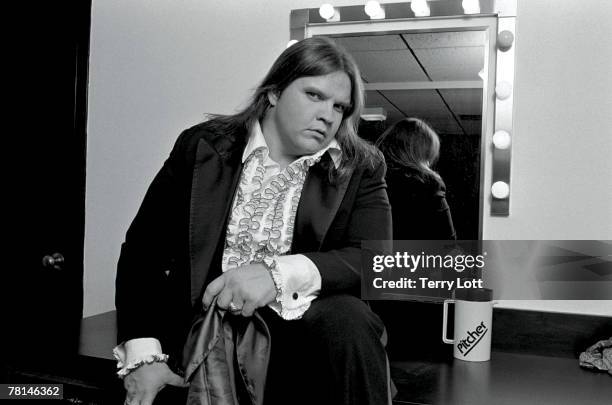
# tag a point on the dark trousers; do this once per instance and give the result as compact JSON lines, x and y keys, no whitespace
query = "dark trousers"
{"x":334,"y":355}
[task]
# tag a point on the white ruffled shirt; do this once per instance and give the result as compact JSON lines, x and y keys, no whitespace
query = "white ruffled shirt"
{"x":260,"y":227}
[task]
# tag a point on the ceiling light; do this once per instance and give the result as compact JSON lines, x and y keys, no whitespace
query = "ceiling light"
{"x":374,"y":114}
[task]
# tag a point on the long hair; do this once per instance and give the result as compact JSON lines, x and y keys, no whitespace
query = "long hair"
{"x":315,"y":56}
{"x":411,"y":143}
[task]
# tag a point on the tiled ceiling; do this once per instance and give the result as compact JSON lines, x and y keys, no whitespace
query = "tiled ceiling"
{"x":424,"y":57}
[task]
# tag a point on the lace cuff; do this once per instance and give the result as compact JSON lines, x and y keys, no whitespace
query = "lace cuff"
{"x":299,"y":281}
{"x":135,"y":353}
{"x":270,"y":264}
{"x":153,"y":358}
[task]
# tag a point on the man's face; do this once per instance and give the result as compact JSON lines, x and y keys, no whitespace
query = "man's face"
{"x":307,"y":114}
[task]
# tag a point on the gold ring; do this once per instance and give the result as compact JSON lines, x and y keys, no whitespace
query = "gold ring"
{"x":234,"y":308}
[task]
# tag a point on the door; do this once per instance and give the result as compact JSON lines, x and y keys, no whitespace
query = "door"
{"x":49,"y":108}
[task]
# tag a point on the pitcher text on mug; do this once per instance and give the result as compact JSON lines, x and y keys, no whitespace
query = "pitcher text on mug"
{"x":472,"y":339}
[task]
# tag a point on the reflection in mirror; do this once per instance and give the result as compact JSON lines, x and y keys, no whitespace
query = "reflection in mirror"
{"x":437,"y":77}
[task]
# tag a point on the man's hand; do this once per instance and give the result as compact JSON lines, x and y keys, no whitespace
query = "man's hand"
{"x":143,"y":384}
{"x":248,"y":287}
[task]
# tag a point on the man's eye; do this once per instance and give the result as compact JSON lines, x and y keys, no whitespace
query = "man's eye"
{"x":313,"y":95}
{"x":340,"y":108}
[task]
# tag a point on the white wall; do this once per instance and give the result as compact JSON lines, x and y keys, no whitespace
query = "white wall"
{"x":562,"y":148}
{"x":156,"y":66}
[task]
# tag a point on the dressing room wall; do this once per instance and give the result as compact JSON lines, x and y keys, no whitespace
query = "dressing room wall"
{"x":157,"y":66}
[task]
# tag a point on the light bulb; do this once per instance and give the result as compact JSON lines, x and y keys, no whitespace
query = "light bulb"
{"x":471,"y":6}
{"x":500,"y":190}
{"x":374,"y":10}
{"x":503,"y":90}
{"x":420,"y":8}
{"x":501,"y":139}
{"x":327,"y":11}
{"x":504,"y":40}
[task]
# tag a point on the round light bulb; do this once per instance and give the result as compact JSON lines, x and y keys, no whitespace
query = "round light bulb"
{"x":504,"y":40}
{"x":501,"y":139}
{"x":372,"y":8}
{"x":420,"y":8}
{"x":471,"y":6}
{"x":500,"y":190}
{"x":326,"y":11}
{"x":292,"y":42}
{"x":503,"y":90}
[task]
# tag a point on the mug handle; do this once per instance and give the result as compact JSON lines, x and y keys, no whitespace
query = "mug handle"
{"x":445,"y":322}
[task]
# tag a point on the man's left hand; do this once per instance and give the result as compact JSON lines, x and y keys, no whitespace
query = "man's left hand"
{"x":247,"y":287}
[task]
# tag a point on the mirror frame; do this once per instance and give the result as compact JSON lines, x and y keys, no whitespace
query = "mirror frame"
{"x":497,"y":113}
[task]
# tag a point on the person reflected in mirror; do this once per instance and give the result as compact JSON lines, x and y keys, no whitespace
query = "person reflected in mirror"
{"x":254,"y":216}
{"x":416,"y":192}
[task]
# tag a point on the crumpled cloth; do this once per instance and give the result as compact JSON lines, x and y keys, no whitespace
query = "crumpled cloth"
{"x":598,"y":356}
{"x":217,"y":343}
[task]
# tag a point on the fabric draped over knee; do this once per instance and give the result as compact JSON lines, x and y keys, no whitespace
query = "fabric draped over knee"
{"x":214,"y":345}
{"x":346,"y":343}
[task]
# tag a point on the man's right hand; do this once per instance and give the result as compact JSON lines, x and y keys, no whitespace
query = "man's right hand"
{"x":143,"y":384}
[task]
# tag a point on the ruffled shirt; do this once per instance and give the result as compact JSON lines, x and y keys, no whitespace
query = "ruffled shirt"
{"x":260,"y":228}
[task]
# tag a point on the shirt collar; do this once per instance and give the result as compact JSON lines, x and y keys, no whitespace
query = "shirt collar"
{"x":257,"y":141}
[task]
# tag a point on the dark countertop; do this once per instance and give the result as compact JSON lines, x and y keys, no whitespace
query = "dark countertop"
{"x":99,"y":335}
{"x":509,"y":378}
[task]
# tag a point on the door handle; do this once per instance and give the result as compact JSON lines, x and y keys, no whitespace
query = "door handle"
{"x":54,"y":261}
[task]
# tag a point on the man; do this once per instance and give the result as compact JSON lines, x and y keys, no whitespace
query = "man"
{"x":265,"y":211}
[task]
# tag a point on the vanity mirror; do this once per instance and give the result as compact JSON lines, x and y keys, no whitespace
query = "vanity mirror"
{"x":448,"y":62}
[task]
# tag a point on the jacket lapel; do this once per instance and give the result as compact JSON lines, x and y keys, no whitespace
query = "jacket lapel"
{"x":319,"y":204}
{"x":215,"y":177}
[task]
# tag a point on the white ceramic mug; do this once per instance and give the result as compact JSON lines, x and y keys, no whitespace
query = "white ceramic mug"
{"x":473,"y":324}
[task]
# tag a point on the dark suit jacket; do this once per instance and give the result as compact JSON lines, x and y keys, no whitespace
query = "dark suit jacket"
{"x":420,"y":210}
{"x":174,"y":246}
